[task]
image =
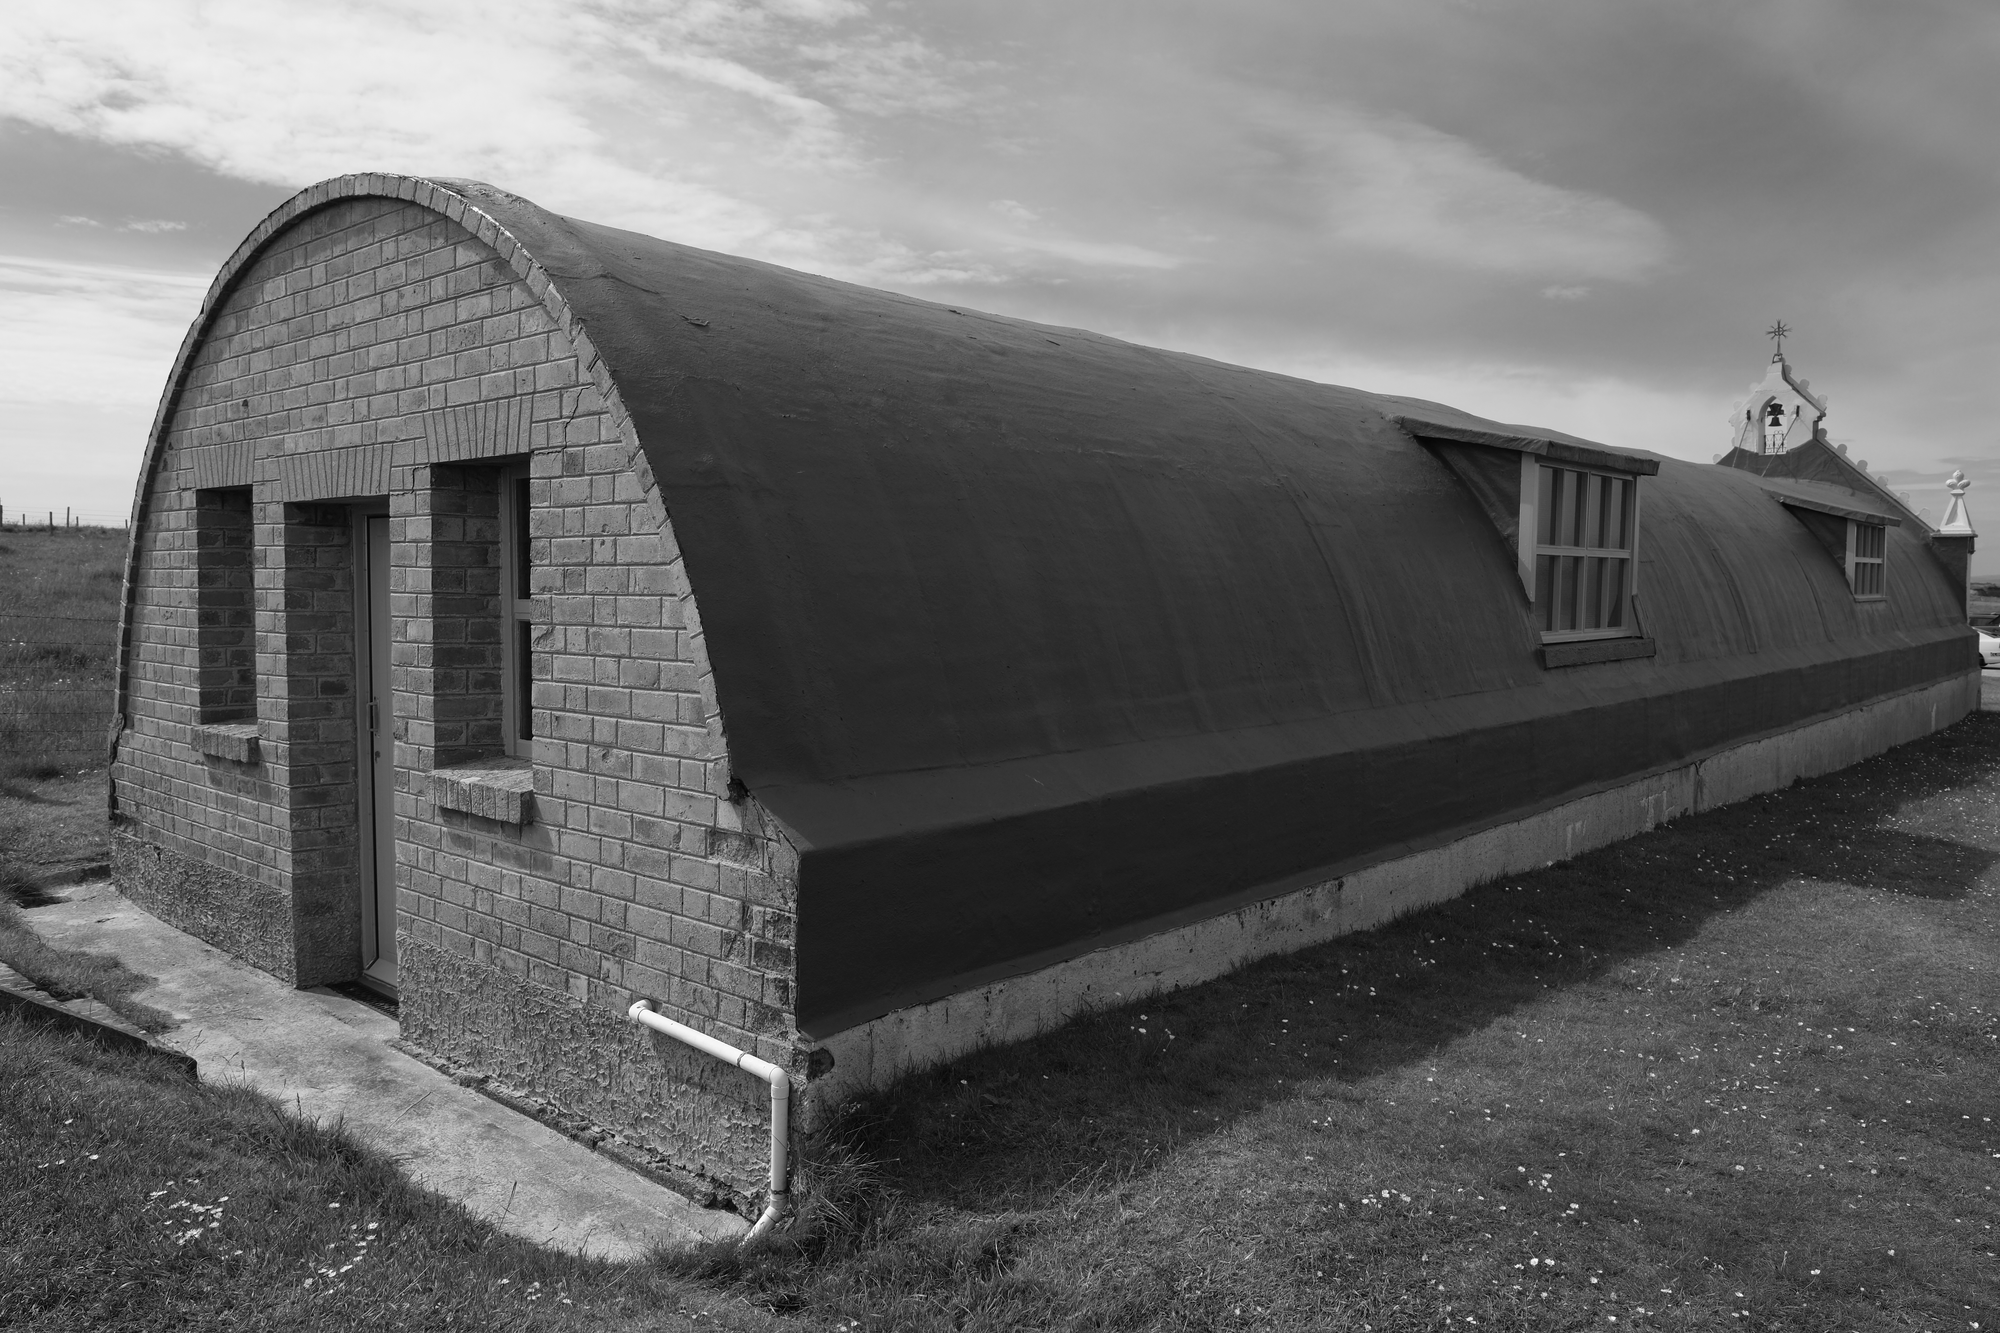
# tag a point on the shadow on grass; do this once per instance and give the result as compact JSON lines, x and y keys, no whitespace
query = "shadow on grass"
{"x":21,"y":792}
{"x":69,"y":974}
{"x":1019,"y":1127}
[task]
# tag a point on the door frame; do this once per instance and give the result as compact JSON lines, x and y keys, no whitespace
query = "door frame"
{"x":368,"y":832}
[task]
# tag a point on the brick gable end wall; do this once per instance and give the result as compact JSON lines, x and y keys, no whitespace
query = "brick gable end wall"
{"x":375,"y":346}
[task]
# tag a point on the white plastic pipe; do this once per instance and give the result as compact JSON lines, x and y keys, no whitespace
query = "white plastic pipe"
{"x":642,"y":1013}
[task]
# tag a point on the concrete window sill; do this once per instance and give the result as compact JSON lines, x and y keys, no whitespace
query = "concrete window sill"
{"x":234,"y":741}
{"x":498,"y":789}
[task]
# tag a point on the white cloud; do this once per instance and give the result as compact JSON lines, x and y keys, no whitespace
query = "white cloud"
{"x":1394,"y":184}
{"x":1095,"y":254}
{"x":1622,"y":413}
{"x":85,"y":350}
{"x":678,"y":119}
{"x":90,"y":333}
{"x":1015,"y":211}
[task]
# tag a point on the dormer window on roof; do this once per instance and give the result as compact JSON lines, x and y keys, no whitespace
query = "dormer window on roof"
{"x":1569,"y":511}
{"x":1856,"y":539}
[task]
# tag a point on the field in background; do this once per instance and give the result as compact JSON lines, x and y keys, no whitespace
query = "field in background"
{"x":58,"y":643}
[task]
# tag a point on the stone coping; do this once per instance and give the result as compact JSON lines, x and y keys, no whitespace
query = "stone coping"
{"x":498,"y":789}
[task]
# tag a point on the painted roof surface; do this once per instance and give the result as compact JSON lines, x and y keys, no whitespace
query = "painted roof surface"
{"x":923,"y":537}
{"x":1034,"y":638}
{"x":1818,"y":463}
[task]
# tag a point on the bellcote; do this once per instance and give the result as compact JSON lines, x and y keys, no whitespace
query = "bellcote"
{"x":1780,"y":412}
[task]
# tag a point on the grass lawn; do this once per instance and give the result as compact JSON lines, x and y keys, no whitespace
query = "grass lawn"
{"x":134,"y":1199}
{"x":58,"y":642}
{"x":1741,"y":1072}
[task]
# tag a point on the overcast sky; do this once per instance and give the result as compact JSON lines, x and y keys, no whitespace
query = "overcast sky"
{"x":1569,"y":213}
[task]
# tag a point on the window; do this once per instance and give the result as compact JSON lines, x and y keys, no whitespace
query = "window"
{"x":1581,"y":525}
{"x":1567,"y":511}
{"x":225,"y":606}
{"x":1867,"y":551}
{"x":1858,"y":542}
{"x":516,"y":614}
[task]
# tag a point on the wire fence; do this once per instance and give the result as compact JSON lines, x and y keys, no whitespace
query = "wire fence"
{"x":18,"y":519}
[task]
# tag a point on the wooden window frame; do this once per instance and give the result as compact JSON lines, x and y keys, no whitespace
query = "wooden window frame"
{"x":1533,"y":549}
{"x":1867,"y":562}
{"x":517,"y":614}
{"x":1857,"y":541}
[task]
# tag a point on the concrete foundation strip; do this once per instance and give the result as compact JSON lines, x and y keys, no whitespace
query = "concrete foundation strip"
{"x":642,"y":1013}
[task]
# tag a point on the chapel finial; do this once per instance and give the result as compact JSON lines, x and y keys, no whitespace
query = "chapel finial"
{"x":1957,"y":523}
{"x":1777,"y":333}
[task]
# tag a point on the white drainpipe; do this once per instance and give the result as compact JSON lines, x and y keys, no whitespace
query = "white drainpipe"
{"x":642,"y":1013}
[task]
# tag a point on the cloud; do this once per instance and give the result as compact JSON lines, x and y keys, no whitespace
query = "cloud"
{"x":697,"y":121}
{"x":1392,"y":183}
{"x":1538,"y":210}
{"x":1623,"y":412}
{"x":88,"y":333}
{"x":145,"y":226}
{"x":1016,"y":212}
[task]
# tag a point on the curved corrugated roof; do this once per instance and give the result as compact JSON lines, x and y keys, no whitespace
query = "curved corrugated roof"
{"x":1036,"y":639}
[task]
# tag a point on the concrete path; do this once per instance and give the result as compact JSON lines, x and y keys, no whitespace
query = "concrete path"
{"x":328,"y":1057}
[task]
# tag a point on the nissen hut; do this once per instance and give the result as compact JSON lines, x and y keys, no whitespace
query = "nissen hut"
{"x":527,"y":617}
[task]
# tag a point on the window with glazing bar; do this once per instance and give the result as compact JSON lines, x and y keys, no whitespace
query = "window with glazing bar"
{"x":1867,"y":550}
{"x":516,"y":613}
{"x":1583,"y":526}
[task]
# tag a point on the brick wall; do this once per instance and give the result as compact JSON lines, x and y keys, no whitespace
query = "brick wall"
{"x":374,"y":344}
{"x":447,"y":554}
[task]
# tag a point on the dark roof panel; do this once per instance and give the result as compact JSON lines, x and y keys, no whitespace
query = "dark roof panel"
{"x":1033,"y":637}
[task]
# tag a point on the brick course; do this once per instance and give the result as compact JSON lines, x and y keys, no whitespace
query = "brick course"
{"x":374,"y":342}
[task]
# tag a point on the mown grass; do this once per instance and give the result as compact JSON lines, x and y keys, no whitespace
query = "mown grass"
{"x":1737,"y":1073}
{"x":134,"y":1200}
{"x":58,"y":639}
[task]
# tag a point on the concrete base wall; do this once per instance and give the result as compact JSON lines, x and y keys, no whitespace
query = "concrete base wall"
{"x":702,"y":1124}
{"x":874,"y":1053}
{"x":243,"y":917}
